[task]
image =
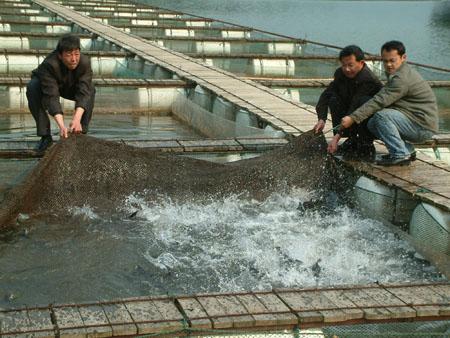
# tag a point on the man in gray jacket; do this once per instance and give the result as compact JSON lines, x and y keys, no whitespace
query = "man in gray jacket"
{"x":404,"y":110}
{"x":64,"y":73}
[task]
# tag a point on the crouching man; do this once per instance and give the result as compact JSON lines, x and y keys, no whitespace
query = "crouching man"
{"x":404,"y":110}
{"x":64,"y":73}
{"x":353,"y":84}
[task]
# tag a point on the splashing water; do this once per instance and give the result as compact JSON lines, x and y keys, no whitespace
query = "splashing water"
{"x":227,"y":244}
{"x":236,"y":244}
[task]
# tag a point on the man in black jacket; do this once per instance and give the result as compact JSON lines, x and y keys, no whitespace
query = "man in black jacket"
{"x":64,"y":73}
{"x":353,"y":85}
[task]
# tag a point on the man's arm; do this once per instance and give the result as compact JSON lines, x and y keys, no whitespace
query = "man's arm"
{"x":50,"y":89}
{"x":84,"y":92}
{"x":394,"y":90}
{"x":50,"y":96}
{"x":63,"y":131}
{"x":322,"y":106}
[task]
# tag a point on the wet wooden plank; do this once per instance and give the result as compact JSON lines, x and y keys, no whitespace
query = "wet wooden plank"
{"x":313,"y":301}
{"x":418,"y":296}
{"x":41,"y":323}
{"x":233,"y":306}
{"x":14,"y":322}
{"x":69,"y":322}
{"x":275,"y":304}
{"x":195,"y":313}
{"x":147,"y":318}
{"x":170,"y":313}
{"x":214,"y":309}
{"x":253,"y":306}
{"x":371,"y":308}
{"x":397,"y":307}
{"x":444,"y":291}
{"x":121,"y":322}
{"x":95,"y":320}
{"x":338,"y":298}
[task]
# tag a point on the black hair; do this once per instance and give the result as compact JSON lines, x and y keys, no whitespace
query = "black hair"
{"x":352,"y":50}
{"x":67,"y":43}
{"x":394,"y":45}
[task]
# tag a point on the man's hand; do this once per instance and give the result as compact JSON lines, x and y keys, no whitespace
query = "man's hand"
{"x":63,"y":131}
{"x":319,"y":126}
{"x":333,"y":145}
{"x":75,"y":125}
{"x":347,"y":122}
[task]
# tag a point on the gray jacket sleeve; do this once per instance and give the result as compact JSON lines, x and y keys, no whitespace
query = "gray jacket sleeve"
{"x":394,"y":90}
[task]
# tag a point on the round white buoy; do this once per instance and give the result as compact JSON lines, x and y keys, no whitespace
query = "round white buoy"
{"x":215,"y":47}
{"x":17,"y":98}
{"x":284,"y":48}
{"x":14,"y":42}
{"x":273,"y":67}
{"x":5,"y":27}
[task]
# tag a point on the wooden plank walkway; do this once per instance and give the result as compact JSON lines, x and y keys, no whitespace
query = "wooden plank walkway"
{"x":245,"y":311}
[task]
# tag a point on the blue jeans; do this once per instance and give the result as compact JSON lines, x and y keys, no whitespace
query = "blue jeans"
{"x":396,"y":130}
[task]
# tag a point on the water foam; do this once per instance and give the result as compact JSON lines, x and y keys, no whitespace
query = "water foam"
{"x":236,"y":244}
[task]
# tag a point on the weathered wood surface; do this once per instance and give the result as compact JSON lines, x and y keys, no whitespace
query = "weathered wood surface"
{"x":252,"y":311}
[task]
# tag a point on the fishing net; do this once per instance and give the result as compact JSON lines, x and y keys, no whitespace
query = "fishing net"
{"x":83,"y":170}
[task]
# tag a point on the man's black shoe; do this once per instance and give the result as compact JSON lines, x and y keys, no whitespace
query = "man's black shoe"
{"x":349,"y":146}
{"x":388,"y":160}
{"x":44,"y":143}
{"x":412,"y":156}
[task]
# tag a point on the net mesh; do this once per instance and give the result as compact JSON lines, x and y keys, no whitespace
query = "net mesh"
{"x":423,"y":329}
{"x":83,"y":170}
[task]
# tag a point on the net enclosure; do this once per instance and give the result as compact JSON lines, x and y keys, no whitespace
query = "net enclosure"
{"x":84,"y":170}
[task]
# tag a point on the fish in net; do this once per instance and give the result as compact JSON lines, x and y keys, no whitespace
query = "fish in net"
{"x":84,"y":170}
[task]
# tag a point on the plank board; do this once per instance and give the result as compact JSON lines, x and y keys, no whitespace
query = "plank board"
{"x":148,"y":319}
{"x":195,"y":313}
{"x":274,"y":304}
{"x":120,"y":320}
{"x":95,"y":320}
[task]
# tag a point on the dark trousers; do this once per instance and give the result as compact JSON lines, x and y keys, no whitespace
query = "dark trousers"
{"x":34,"y":96}
{"x":359,"y":132}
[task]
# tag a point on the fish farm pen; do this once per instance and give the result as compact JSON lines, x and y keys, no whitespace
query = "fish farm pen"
{"x":370,"y":259}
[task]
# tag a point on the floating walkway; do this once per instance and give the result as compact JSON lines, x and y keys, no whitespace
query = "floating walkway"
{"x":249,"y":312}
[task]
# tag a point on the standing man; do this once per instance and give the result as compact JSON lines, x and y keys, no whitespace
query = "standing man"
{"x":353,"y":84}
{"x":404,"y":111}
{"x":64,"y":73}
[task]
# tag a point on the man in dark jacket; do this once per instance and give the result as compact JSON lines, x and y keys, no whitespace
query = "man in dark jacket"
{"x":64,"y":73}
{"x":353,"y":84}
